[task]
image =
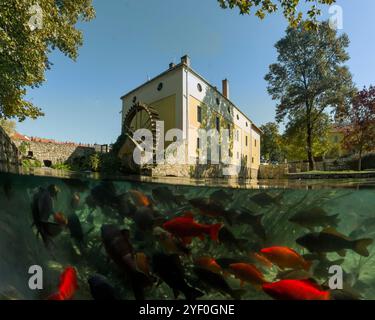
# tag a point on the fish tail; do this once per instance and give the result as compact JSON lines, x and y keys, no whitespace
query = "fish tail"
{"x":360,"y":246}
{"x":55,"y":296}
{"x":237,"y":294}
{"x":214,"y":231}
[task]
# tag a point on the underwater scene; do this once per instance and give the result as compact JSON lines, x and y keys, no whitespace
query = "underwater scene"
{"x":119,"y":239}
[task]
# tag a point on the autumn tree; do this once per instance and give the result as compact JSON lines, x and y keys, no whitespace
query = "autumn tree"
{"x":309,"y":78}
{"x":29,"y":31}
{"x":289,"y":7}
{"x":271,"y":144}
{"x":360,"y":119}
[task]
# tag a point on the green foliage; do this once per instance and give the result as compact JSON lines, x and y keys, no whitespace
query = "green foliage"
{"x":29,"y":31}
{"x":289,"y":8}
{"x":31,"y":163}
{"x":110,"y":163}
{"x":271,"y":142}
{"x":24,"y":148}
{"x":294,"y":138}
{"x":8,"y":126}
{"x":309,"y":78}
{"x":61,"y":166}
{"x":95,"y":162}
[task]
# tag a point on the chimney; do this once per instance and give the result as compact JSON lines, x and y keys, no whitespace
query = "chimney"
{"x":226,"y":88}
{"x":172,"y":65}
{"x":186,"y":60}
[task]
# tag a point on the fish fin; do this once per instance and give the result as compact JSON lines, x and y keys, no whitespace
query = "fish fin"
{"x":341,"y":253}
{"x":333,"y":231}
{"x":188,"y":214}
{"x":214,"y":231}
{"x":360,"y":246}
{"x":237,"y":294}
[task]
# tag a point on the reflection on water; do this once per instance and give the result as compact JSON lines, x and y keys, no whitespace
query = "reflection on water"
{"x":205,"y":253}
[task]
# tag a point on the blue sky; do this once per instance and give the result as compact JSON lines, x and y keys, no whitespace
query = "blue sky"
{"x":131,"y":40}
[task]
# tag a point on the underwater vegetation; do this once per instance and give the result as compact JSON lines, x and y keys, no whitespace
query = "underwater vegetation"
{"x":108,"y":239}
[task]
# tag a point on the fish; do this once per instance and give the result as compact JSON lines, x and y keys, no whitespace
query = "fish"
{"x":247,"y":272}
{"x":68,"y":285}
{"x":330,"y":240}
{"x":144,"y":219}
{"x":101,"y":289}
{"x":103,"y":195}
{"x":170,"y":243}
{"x":261,"y":259}
{"x":139,"y":198}
{"x":164,"y":195}
{"x":120,"y":250}
{"x":42,"y":209}
{"x":225,"y":262}
{"x":75,"y":201}
{"x":227,"y":238}
{"x":209,"y":208}
{"x":186,"y":228}
{"x":75,"y":228}
{"x":60,"y":219}
{"x":294,"y":275}
{"x":245,"y":216}
{"x":169,"y":269}
{"x":285,"y":258}
{"x":142,"y":263}
{"x":315,"y":217}
{"x":217,"y":282}
{"x":221,"y":196}
{"x":263,"y":199}
{"x":208,"y":263}
{"x":295,"y":290}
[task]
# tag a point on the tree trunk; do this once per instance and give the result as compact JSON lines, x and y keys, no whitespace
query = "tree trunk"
{"x":310,"y":155}
{"x":360,"y":161}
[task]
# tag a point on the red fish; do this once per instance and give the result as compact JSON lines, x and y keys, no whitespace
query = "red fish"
{"x":186,"y":228}
{"x":285,"y":258}
{"x":295,"y":290}
{"x":60,"y":219}
{"x":68,"y":285}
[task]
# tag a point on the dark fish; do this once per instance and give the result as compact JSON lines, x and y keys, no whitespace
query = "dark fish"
{"x":225,"y":262}
{"x":221,"y":196}
{"x":294,"y":274}
{"x":125,"y":208}
{"x":164,"y":195}
{"x":263,"y":199}
{"x":210,"y":208}
{"x":101,"y":289}
{"x":169,"y":269}
{"x":315,"y":217}
{"x":119,"y":249}
{"x":42,"y":209}
{"x":75,"y":228}
{"x":227,"y":238}
{"x":332,"y":241}
{"x":217,"y":282}
{"x":245,"y":216}
{"x":104,"y":195}
{"x":145,"y":218}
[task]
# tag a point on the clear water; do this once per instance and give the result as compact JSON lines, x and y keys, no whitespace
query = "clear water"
{"x":20,"y":247}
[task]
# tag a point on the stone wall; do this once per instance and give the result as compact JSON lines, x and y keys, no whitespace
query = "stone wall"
{"x":9,"y":155}
{"x":198,"y":171}
{"x":56,"y":152}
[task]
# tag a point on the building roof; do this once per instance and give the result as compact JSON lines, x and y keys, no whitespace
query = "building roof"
{"x":189,"y":68}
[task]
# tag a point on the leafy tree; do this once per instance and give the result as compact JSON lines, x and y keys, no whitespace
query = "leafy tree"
{"x":9,"y":126}
{"x":310,"y":77}
{"x":294,"y":138}
{"x":289,"y":8}
{"x":360,"y":119}
{"x":29,"y":31}
{"x":271,"y":144}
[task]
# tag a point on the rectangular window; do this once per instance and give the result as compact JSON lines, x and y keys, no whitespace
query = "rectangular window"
{"x":238,"y":135}
{"x":198,"y":143}
{"x":229,"y":131}
{"x":217,"y":124}
{"x":199,"y":114}
{"x":252,"y":159}
{"x":246,"y":141}
{"x":255,"y":142}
